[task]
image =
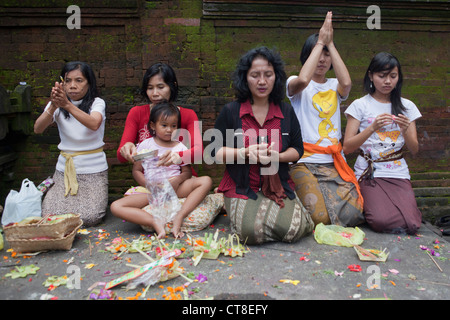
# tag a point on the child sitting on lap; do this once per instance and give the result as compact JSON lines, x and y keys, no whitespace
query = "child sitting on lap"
{"x":164,"y":121}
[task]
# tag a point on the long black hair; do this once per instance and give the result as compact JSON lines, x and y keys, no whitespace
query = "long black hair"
{"x":309,"y":44}
{"x":92,"y":92}
{"x":166,"y":72}
{"x":240,"y":75}
{"x":382,"y":62}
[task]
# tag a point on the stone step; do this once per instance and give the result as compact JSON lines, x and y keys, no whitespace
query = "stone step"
{"x":432,"y":192}
{"x":432,"y":201}
{"x":430,"y":175}
{"x":432,"y":214}
{"x":430,"y":183}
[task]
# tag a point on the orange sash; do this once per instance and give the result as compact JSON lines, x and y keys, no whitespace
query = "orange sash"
{"x":340,"y":164}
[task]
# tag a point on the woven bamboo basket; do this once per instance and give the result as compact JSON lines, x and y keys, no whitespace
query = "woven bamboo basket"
{"x":35,"y":245}
{"x":56,"y":230}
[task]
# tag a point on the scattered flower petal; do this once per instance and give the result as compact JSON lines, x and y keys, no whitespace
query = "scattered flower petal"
{"x":294,"y":282}
{"x":102,"y":294}
{"x":47,"y":296}
{"x":304,"y":259}
{"x":201,"y":278}
{"x":355,"y":268}
{"x":394,"y":271}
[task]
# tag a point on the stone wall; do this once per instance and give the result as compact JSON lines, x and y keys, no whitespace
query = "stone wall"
{"x":203,"y":40}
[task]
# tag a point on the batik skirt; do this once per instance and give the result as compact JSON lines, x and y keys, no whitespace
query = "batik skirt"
{"x":263,"y":220}
{"x":328,"y":198}
{"x":90,"y":202}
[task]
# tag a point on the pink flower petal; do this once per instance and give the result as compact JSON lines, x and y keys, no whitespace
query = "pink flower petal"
{"x":394,"y":271}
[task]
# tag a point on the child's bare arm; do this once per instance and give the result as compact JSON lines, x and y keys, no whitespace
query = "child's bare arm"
{"x":186,"y":173}
{"x":138,"y":173}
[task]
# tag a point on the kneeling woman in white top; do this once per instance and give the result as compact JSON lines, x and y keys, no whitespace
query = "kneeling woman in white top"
{"x":381,"y":124}
{"x":81,"y":175}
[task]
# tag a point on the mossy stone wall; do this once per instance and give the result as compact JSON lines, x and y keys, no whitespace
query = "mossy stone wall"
{"x":203,"y":41}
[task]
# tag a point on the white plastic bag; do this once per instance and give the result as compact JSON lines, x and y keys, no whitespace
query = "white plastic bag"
{"x":23,"y":204}
{"x":147,"y":279}
{"x":163,"y":200}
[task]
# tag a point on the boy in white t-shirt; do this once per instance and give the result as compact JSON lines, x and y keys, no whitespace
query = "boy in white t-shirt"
{"x":324,"y":183}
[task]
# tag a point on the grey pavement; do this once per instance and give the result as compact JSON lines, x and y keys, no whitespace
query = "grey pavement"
{"x":310,"y":271}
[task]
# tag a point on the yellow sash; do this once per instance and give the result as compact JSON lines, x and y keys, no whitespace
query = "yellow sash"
{"x":70,"y":175}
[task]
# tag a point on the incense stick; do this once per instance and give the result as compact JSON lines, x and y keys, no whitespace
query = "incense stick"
{"x":366,"y":252}
{"x":43,"y":219}
{"x":434,"y":262}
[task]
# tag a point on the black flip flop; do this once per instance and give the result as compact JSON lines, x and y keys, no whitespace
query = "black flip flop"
{"x":443,"y":221}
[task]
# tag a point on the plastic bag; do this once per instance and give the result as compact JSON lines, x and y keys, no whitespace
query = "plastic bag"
{"x":163,"y":201}
{"x":147,"y":279}
{"x":23,"y":204}
{"x":138,"y":276}
{"x":338,"y":236}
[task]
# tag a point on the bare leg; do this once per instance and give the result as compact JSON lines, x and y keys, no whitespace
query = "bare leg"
{"x":194,"y":190}
{"x":129,"y":209}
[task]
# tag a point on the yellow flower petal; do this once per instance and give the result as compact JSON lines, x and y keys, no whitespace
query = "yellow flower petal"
{"x":294,"y":282}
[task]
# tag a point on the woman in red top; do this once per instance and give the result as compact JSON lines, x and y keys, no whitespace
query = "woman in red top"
{"x":159,"y":84}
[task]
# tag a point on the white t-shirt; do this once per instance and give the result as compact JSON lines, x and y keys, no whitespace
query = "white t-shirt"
{"x":384,"y":141}
{"x":318,"y":110}
{"x":77,"y":137}
{"x":150,"y":144}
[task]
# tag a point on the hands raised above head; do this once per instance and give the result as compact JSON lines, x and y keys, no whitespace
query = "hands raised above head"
{"x":326,"y":31}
